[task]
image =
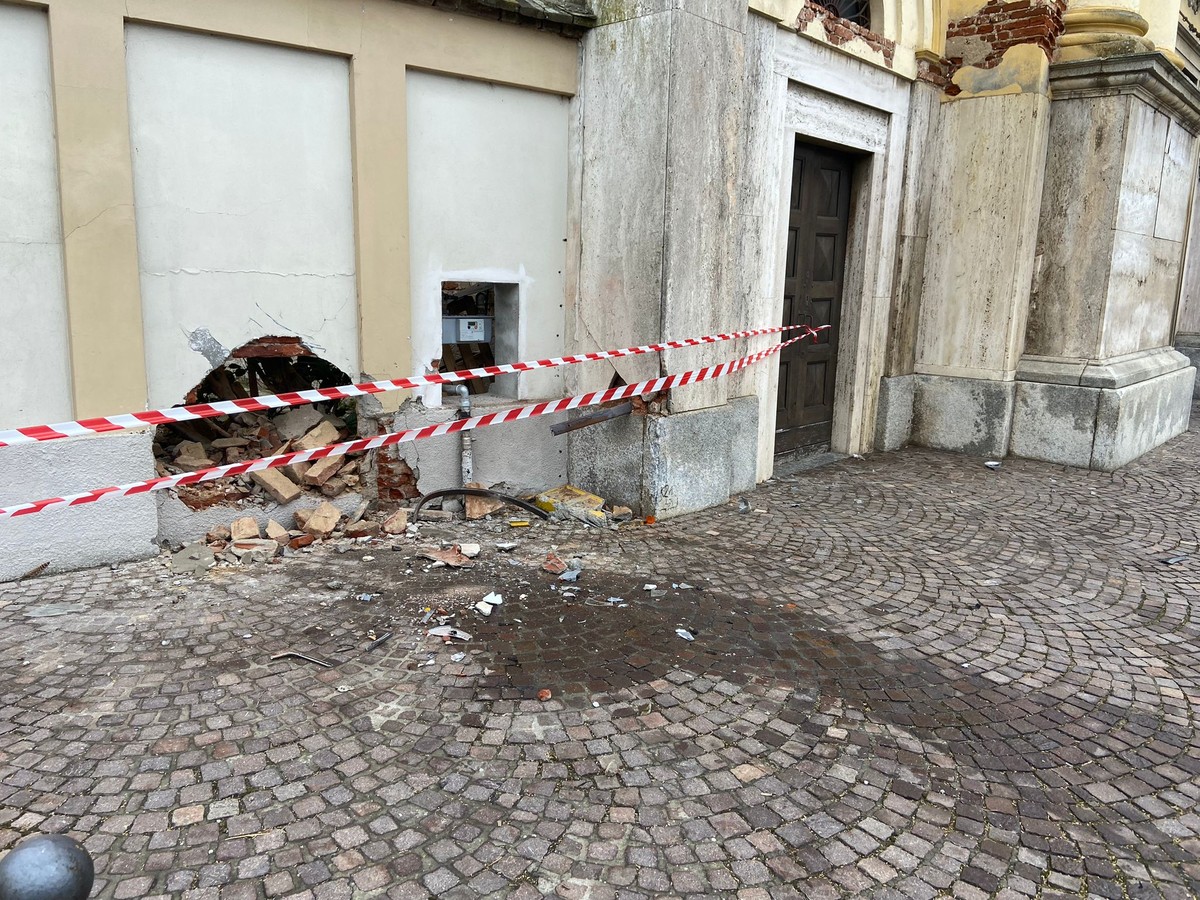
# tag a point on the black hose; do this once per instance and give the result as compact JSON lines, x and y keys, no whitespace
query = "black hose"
{"x":477,"y":492}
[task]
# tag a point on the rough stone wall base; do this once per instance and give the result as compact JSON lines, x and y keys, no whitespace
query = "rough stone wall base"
{"x":893,"y":424}
{"x":670,"y":465}
{"x":1100,"y":428}
{"x":75,"y":537}
{"x":966,"y":415}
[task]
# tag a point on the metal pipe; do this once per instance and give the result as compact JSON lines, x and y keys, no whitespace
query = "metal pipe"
{"x":464,"y":412}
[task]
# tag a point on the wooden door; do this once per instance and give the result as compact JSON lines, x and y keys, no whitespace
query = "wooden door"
{"x":812,"y":293}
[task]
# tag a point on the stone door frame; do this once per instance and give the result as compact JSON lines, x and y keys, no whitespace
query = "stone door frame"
{"x":850,"y":105}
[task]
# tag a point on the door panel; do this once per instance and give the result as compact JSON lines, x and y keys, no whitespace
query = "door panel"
{"x":814,"y":275}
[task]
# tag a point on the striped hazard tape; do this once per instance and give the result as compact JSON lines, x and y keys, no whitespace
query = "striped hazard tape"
{"x":595,"y":398}
{"x":33,"y":433}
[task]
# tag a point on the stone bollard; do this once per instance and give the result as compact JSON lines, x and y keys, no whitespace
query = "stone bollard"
{"x":46,"y":867}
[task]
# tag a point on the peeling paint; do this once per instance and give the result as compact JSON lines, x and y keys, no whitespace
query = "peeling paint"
{"x":1023,"y":69}
{"x":202,"y":341}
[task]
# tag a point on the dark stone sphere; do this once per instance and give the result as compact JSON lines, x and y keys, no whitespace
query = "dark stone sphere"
{"x":46,"y":867}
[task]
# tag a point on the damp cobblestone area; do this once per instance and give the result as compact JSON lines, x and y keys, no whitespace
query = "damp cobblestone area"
{"x":909,"y":676}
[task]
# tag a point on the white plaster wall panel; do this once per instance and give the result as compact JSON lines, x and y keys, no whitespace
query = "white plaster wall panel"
{"x":983,"y":222}
{"x":702,"y":166}
{"x":624,"y":95}
{"x":242,"y":182}
{"x":33,"y":339}
{"x":1141,"y":294}
{"x":487,"y":174}
{"x":1145,"y":147}
{"x":1179,"y":167}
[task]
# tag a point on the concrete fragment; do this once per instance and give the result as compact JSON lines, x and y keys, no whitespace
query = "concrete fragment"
{"x":296,"y":422}
{"x":281,"y":488}
{"x":320,"y":436}
{"x":277,"y":532}
{"x":297,"y":471}
{"x":226,"y":443}
{"x":301,"y":517}
{"x":478,"y":507}
{"x":323,"y":520}
{"x":192,"y":560}
{"x":218,"y":533}
{"x":361,"y":529}
{"x":334,"y":487}
{"x":470,"y":551}
{"x":254,"y":551}
{"x":245,"y":528}
{"x":322,"y":470}
{"x":396,"y":523}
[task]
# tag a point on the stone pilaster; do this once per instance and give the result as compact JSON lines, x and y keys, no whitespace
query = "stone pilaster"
{"x":661,"y":108}
{"x":1099,"y":382}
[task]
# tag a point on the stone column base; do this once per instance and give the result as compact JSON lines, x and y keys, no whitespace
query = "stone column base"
{"x":666,"y":466}
{"x":1094,"y":427}
{"x":967,"y":415}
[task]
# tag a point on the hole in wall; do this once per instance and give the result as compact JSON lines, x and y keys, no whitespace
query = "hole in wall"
{"x":267,"y":365}
{"x":481,"y":327}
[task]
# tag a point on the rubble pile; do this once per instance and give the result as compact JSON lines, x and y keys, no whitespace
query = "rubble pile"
{"x":192,"y":446}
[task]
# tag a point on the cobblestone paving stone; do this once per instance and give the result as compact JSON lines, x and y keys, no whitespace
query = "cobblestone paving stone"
{"x":911,"y":677}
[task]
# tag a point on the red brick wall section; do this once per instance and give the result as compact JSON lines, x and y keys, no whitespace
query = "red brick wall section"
{"x":980,"y":40}
{"x":840,"y":31}
{"x":396,"y":480}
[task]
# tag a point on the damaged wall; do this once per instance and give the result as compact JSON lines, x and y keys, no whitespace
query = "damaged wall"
{"x":487,"y":172}
{"x":242,"y":186}
{"x":33,"y":338}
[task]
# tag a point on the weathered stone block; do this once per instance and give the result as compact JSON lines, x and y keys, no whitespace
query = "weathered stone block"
{"x":967,"y":415}
{"x":893,"y":422}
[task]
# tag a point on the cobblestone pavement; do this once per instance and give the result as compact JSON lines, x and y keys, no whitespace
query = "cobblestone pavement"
{"x":911,"y":677}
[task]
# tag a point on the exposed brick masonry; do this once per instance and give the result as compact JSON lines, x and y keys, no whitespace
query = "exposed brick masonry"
{"x":982,"y":39}
{"x":841,"y":31}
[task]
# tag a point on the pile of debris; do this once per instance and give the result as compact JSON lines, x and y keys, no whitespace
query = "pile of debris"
{"x":244,"y":541}
{"x":202,"y":444}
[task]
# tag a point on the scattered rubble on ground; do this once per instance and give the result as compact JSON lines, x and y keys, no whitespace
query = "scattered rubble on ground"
{"x":250,"y":539}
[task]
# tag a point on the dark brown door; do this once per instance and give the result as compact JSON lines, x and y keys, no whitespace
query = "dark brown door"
{"x":812,"y":293}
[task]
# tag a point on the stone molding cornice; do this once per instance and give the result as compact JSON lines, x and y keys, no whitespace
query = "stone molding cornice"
{"x":1149,"y":76}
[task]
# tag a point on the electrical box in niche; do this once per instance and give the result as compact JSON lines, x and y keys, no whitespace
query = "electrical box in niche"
{"x":467,"y":329}
{"x":480,"y":328}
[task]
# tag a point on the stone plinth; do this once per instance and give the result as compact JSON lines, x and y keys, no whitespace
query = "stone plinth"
{"x":1098,"y":383}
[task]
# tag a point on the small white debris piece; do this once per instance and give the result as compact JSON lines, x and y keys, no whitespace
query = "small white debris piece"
{"x":458,"y":657}
{"x":483,"y":608}
{"x":685,"y":634}
{"x":992,"y":464}
{"x":506,"y":546}
{"x":470,"y":551}
{"x":649,"y":587}
{"x":494,"y":599}
{"x":448,"y":631}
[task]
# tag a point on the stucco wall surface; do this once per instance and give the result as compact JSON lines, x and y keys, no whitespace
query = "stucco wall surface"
{"x":33,"y":336}
{"x":244,"y":204}
{"x":487,"y":171}
{"x":76,"y":537}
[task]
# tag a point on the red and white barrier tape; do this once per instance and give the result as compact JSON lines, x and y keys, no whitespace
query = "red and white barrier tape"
{"x":413,"y":434}
{"x":34,"y":433}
